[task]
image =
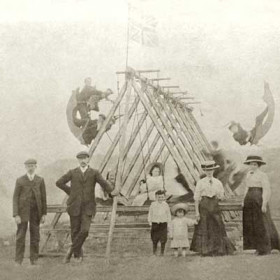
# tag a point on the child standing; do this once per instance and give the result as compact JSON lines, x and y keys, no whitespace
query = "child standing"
{"x":159,"y":217}
{"x":179,"y":229}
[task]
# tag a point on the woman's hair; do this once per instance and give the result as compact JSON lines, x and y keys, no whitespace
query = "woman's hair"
{"x":159,"y":192}
{"x":155,"y":166}
{"x":142,"y":181}
{"x":180,"y":210}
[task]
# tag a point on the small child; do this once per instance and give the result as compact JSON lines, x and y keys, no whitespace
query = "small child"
{"x":159,"y":217}
{"x":179,"y":229}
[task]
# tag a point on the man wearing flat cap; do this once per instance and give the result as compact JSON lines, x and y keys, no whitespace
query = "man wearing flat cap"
{"x":81,"y":205}
{"x":29,"y":206}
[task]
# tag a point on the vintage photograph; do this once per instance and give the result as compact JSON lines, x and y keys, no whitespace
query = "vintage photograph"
{"x":139,"y":140}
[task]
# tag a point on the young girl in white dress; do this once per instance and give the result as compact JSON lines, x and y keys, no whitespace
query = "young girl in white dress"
{"x":179,"y":229}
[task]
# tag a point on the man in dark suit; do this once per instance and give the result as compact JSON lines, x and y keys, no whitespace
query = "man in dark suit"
{"x":81,"y":205}
{"x":29,"y":205}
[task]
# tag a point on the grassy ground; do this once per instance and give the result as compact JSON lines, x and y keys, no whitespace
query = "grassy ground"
{"x":238,"y":267}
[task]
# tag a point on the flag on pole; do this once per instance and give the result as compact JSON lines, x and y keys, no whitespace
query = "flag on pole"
{"x":142,"y":28}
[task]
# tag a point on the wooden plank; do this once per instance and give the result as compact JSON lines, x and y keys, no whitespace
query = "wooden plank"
{"x":224,"y":206}
{"x":175,"y":154}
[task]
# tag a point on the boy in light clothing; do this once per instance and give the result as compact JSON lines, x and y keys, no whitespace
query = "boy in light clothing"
{"x":159,"y":217}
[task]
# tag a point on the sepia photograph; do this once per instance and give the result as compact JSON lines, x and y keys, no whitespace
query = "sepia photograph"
{"x":140,"y":139}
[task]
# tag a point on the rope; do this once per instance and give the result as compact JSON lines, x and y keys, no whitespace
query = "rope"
{"x":142,"y":154}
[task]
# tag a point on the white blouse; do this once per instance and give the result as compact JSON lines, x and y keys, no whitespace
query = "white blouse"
{"x":209,"y":187}
{"x":258,"y":179}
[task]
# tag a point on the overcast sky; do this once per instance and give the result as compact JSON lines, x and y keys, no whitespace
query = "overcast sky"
{"x":220,"y":51}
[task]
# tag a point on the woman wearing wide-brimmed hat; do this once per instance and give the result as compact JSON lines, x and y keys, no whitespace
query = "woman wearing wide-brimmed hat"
{"x":259,"y":232}
{"x":210,"y":238}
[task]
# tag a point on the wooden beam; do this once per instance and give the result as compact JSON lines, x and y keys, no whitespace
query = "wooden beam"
{"x":138,"y":152}
{"x":193,"y":132}
{"x":196,"y":128}
{"x":117,"y":137}
{"x":187,"y":159}
{"x":119,"y":173}
{"x":169,"y":87}
{"x":188,"y":135}
{"x":160,"y":129}
{"x":107,"y":120}
{"x":160,"y":79}
{"x":191,"y":161}
{"x":130,"y":70}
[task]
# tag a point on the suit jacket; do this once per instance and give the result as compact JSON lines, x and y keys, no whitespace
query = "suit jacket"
{"x":23,"y":194}
{"x":82,"y":190}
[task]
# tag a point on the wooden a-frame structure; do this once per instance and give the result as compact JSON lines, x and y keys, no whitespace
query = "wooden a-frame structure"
{"x":155,"y":125}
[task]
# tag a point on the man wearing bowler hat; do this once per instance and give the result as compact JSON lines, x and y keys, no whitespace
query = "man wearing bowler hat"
{"x":29,"y":206}
{"x":81,"y":205}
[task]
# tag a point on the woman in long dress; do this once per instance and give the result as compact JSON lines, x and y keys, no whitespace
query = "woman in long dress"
{"x":259,"y":231}
{"x":210,"y":238}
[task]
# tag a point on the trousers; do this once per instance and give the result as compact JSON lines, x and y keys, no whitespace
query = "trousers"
{"x":80,"y":226}
{"x":34,"y":228}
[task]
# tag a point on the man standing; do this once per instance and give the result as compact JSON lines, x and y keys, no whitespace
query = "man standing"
{"x":81,"y":205}
{"x":29,"y":205}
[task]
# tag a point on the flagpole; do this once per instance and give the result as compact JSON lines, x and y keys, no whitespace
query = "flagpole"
{"x":127,"y":35}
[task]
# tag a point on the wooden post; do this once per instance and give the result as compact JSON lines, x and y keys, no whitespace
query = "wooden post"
{"x":119,"y":173}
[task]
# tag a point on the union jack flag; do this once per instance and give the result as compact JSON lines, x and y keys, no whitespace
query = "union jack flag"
{"x":142,"y":28}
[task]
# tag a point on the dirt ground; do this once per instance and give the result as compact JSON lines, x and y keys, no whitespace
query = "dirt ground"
{"x":238,"y":267}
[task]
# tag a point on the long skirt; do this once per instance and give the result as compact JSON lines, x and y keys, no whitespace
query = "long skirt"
{"x":210,"y":237}
{"x":259,"y":231}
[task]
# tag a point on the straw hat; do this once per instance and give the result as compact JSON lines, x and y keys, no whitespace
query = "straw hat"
{"x":256,"y":159}
{"x":209,"y":165}
{"x":181,"y":206}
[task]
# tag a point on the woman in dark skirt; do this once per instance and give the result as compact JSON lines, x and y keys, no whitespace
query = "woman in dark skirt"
{"x":210,"y":238}
{"x":259,"y":231}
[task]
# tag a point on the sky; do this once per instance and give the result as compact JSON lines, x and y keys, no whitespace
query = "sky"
{"x":219,"y":51}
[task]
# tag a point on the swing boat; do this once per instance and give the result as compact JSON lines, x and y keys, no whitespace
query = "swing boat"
{"x":173,"y":132}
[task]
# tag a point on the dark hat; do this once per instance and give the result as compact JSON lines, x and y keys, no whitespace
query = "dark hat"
{"x":209,"y":165}
{"x":82,"y":154}
{"x":257,"y":159}
{"x":31,"y":161}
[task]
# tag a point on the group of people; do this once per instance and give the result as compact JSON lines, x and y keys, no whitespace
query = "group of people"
{"x":30,"y":205}
{"x":209,"y":239}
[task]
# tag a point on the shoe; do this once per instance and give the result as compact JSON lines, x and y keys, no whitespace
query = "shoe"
{"x":68,"y":256}
{"x":33,"y":262}
{"x":78,"y":260}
